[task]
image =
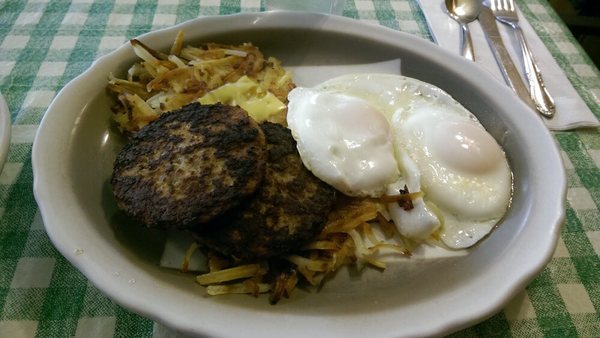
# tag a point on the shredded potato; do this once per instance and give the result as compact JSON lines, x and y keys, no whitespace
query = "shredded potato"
{"x":163,"y":82}
{"x":245,"y":287}
{"x":348,"y":238}
{"x":229,"y":274}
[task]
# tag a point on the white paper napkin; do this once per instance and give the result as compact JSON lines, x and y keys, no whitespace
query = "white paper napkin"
{"x":571,"y":110}
{"x":309,"y":76}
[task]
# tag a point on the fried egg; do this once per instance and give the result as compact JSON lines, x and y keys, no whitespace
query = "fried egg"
{"x":373,"y":134}
{"x":343,"y":140}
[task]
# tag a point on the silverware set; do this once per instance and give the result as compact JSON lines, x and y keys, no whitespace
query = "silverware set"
{"x":488,"y":14}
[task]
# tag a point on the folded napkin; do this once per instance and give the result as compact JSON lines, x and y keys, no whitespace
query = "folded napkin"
{"x":571,"y":110}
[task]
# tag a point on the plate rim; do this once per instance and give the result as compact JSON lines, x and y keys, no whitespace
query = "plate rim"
{"x":52,"y":218}
{"x":5,"y":131}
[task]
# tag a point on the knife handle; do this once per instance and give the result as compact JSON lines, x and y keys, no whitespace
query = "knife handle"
{"x":509,"y":70}
{"x":507,"y":67}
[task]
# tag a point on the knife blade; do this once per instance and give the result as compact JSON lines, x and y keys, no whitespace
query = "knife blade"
{"x":507,"y":67}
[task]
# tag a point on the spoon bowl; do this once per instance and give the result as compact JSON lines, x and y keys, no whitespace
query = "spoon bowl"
{"x":464,"y":12}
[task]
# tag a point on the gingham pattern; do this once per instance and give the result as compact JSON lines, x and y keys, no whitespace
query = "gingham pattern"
{"x":43,"y":45}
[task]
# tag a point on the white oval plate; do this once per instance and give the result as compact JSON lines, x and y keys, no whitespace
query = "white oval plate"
{"x":76,"y":146}
{"x":5,"y":128}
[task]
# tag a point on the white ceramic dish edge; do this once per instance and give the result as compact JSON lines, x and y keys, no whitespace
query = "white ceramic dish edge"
{"x":53,"y":218}
{"x":5,"y":131}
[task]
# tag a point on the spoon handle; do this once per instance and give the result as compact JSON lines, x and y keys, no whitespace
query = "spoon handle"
{"x":466,"y":43}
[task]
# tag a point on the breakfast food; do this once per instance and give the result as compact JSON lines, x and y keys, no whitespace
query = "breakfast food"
{"x":189,"y":166}
{"x":343,"y":140}
{"x":440,"y":149}
{"x":279,"y":185}
{"x":290,"y":207}
{"x":163,"y":82}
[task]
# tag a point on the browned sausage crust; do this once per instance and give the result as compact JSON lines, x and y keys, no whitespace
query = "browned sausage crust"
{"x":289,"y":208}
{"x":189,"y":166}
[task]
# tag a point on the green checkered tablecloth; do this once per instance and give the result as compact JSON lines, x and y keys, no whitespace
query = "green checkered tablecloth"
{"x":45,"y":44}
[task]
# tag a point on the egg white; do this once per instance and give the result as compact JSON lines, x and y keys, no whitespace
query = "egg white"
{"x":343,"y":140}
{"x":437,"y":146}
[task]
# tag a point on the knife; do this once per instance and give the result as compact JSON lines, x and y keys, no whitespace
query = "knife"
{"x":507,"y":67}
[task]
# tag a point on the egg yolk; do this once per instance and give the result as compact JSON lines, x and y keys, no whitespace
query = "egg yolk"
{"x":465,"y":147}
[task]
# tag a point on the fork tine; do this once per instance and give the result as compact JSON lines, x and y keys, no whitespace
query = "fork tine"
{"x":496,"y":4}
{"x":511,"y":5}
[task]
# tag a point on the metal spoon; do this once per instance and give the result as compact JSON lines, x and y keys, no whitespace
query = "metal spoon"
{"x":464,"y":11}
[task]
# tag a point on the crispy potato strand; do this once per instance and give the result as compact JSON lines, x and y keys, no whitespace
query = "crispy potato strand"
{"x":166,"y":82}
{"x":229,"y":274}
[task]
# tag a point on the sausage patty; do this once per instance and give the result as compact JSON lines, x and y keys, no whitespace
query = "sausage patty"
{"x":289,"y":208}
{"x":189,"y":166}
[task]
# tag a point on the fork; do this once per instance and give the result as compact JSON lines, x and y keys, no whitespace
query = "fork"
{"x":505,"y":11}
